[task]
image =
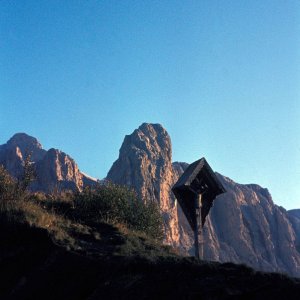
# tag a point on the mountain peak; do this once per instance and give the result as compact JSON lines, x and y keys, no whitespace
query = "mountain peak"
{"x":27,"y":145}
{"x":145,"y":163}
{"x":23,"y":141}
{"x":53,"y":168}
{"x":149,"y":126}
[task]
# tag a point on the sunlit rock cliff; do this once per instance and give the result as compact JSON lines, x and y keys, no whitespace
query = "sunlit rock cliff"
{"x":244,"y":225}
{"x":145,"y":163}
{"x":54,"y":169}
{"x":294,"y":217}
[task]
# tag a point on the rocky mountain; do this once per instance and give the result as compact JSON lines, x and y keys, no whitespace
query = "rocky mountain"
{"x":145,"y":163}
{"x":295,"y":213}
{"x":244,"y":225}
{"x":54,"y":168}
{"x":294,"y":217}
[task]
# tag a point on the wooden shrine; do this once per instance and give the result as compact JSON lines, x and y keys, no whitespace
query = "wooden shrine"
{"x":195,"y":191}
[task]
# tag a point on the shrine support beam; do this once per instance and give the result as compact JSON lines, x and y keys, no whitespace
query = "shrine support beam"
{"x":198,"y":234}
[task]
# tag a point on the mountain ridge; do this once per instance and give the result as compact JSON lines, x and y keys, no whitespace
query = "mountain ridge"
{"x":244,"y":225}
{"x":54,"y":169}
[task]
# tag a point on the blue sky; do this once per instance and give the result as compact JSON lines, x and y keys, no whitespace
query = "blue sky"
{"x":223,"y":79}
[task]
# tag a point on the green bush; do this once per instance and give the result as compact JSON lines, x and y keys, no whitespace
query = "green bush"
{"x":118,"y":204}
{"x":108,"y":203}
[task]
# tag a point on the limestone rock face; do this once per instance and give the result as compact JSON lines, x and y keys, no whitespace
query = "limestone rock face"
{"x":244,"y":225}
{"x":12,"y":160}
{"x":58,"y":170}
{"x":27,"y":145}
{"x":54,"y":169}
{"x":179,"y":168}
{"x":294,"y":217}
{"x":251,"y":229}
{"x":295,"y":213}
{"x":145,"y":163}
{"x":15,"y":151}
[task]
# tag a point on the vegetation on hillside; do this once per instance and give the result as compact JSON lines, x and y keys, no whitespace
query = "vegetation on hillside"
{"x":118,"y":205}
{"x":81,"y":221}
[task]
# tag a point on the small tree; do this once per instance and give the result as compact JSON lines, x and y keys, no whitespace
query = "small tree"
{"x":8,"y":186}
{"x":29,"y":173}
{"x":12,"y":189}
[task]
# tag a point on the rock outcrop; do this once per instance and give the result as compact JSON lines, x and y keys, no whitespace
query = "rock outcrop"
{"x":294,"y":217}
{"x":54,"y":169}
{"x":244,"y":225}
{"x":145,"y":163}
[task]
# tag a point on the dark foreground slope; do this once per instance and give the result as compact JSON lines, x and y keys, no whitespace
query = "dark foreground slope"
{"x":119,"y":266}
{"x":104,"y":243}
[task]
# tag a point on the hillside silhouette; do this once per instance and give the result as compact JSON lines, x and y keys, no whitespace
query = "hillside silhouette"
{"x":53,"y":248}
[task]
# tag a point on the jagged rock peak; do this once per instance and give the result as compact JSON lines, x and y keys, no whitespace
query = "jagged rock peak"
{"x":23,"y":141}
{"x":26,"y":144}
{"x":145,"y":151}
{"x":151,"y":138}
{"x":53,"y":151}
{"x":149,"y":127}
{"x":54,"y":168}
{"x":145,"y":163}
{"x":151,"y":130}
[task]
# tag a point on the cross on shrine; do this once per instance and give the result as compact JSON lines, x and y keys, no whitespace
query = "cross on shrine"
{"x":195,"y":191}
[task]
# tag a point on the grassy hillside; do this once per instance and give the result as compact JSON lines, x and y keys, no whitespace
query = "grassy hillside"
{"x":94,"y":245}
{"x":33,"y":266}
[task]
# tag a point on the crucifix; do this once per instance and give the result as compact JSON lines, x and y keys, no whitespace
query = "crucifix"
{"x":195,"y":191}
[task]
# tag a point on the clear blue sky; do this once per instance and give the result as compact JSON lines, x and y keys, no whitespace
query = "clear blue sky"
{"x":223,"y":77}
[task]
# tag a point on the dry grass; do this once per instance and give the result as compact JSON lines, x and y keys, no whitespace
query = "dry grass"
{"x":60,"y":220}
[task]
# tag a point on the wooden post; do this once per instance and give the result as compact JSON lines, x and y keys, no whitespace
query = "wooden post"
{"x":198,"y":229}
